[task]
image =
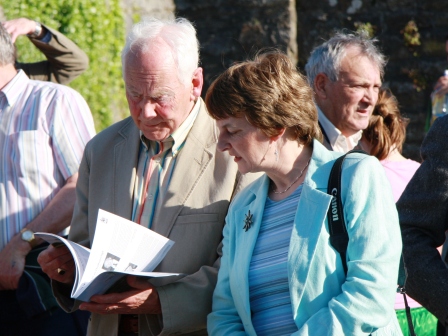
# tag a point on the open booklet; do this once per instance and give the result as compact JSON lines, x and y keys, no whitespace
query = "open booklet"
{"x":120,"y":247}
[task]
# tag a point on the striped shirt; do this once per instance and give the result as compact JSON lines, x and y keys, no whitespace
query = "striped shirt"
{"x":160,"y":159}
{"x":44,"y":128}
{"x":270,"y":300}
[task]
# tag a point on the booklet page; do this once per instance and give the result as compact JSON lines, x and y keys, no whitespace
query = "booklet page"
{"x":121,"y":246}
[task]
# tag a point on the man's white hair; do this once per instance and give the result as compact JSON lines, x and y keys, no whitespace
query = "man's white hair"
{"x":179,"y":34}
{"x":7,"y":49}
{"x":327,"y":57}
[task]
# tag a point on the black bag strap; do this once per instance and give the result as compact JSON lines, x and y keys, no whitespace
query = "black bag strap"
{"x":338,"y":231}
{"x":402,"y":290}
{"x":408,"y":313}
{"x":336,"y":222}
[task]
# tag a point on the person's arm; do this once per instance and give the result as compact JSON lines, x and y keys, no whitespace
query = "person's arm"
{"x":54,"y":218}
{"x":423,"y":210}
{"x":366,"y":301}
{"x":50,"y":259}
{"x":65,"y":60}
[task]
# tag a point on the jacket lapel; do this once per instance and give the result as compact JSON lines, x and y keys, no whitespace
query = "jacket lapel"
{"x":126,"y":152}
{"x":191,"y":162}
{"x":308,"y":225}
{"x":245,"y":245}
{"x":309,"y":221}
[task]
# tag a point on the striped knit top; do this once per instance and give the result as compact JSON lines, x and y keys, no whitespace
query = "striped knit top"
{"x":270,"y":300}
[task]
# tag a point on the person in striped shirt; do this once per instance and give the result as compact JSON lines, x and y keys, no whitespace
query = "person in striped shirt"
{"x":44,"y":128}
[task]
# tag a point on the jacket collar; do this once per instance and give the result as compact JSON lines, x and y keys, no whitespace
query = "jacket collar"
{"x":320,"y":166}
{"x":316,"y":177}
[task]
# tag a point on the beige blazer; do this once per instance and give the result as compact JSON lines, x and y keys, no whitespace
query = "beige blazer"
{"x":202,"y":185}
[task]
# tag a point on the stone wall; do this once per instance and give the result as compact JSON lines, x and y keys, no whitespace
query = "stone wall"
{"x":136,"y":10}
{"x":232,"y":30}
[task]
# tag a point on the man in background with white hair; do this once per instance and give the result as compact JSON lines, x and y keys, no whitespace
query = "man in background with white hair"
{"x":345,"y":73}
{"x":159,"y":168}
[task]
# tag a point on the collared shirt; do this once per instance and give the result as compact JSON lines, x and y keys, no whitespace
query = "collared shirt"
{"x":44,"y":128}
{"x":337,"y":140}
{"x":160,"y":159}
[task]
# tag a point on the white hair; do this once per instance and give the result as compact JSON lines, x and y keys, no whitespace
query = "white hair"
{"x":7,"y":49}
{"x":327,"y":57}
{"x":179,"y":34}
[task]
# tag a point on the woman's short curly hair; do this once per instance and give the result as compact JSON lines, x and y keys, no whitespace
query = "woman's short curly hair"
{"x":387,"y":128}
{"x":270,"y":93}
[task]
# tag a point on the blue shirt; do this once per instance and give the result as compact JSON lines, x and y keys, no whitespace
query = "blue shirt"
{"x":270,"y":300}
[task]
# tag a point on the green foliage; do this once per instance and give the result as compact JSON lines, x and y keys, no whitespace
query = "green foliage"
{"x":98,"y":28}
{"x":411,"y":38}
{"x":418,"y":77}
{"x":366,"y":27}
{"x":411,"y":35}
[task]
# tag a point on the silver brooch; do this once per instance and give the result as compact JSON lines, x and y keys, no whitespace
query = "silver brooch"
{"x":248,"y":221}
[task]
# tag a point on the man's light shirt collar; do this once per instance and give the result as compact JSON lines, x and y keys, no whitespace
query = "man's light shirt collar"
{"x":14,"y":88}
{"x":338,"y":141}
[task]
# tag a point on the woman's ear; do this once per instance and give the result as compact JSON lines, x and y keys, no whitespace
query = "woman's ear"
{"x":281,"y":131}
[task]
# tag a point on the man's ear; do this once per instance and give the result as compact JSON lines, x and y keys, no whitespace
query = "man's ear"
{"x":198,"y":82}
{"x":320,"y":85}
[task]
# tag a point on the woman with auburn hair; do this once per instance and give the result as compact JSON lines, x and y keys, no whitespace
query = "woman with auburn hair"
{"x":279,"y":274}
{"x":384,"y":138}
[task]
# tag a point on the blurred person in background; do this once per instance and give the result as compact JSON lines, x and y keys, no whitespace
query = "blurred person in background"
{"x":65,"y":60}
{"x":423,"y":209}
{"x":441,"y":85}
{"x":345,"y":73}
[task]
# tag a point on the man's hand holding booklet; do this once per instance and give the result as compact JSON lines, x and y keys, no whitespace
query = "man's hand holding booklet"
{"x":120,"y":247}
